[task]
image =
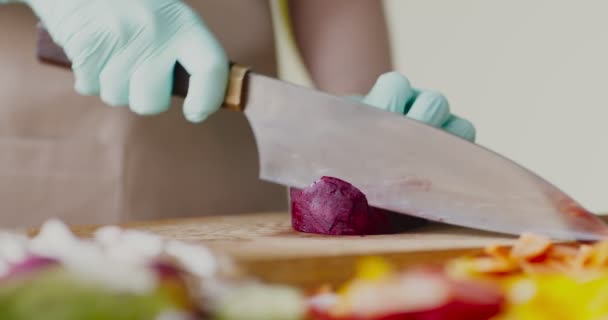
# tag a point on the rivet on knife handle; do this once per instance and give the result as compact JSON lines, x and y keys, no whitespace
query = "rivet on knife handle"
{"x":49,"y":52}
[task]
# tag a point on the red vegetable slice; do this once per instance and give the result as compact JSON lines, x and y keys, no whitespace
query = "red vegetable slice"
{"x":30,"y":264}
{"x":419,"y":296}
{"x":335,"y":207}
{"x":166,"y":270}
{"x":173,"y":281}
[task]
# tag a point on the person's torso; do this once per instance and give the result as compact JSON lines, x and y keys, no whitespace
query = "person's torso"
{"x":72,"y":157}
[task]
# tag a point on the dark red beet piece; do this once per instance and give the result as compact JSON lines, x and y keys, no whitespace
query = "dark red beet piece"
{"x":399,"y":222}
{"x":166,"y":270}
{"x":332,"y":206}
{"x":335,"y":207}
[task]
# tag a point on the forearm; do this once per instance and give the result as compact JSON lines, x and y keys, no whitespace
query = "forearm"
{"x":344,"y":43}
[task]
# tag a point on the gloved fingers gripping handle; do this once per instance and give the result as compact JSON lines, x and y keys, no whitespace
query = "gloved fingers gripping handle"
{"x":49,"y":52}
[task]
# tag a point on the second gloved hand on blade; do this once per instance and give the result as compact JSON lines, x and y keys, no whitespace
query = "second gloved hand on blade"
{"x":393,"y":92}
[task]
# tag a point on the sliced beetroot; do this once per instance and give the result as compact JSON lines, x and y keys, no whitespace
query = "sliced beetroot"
{"x":174,"y":283}
{"x":30,"y":264}
{"x":166,"y":270}
{"x":451,"y":300}
{"x":335,"y":207}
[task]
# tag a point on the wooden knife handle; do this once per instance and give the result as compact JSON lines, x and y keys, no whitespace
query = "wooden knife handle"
{"x":49,"y":52}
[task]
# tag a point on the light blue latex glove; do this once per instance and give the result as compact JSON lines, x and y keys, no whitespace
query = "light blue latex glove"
{"x":126,"y":50}
{"x":393,"y":92}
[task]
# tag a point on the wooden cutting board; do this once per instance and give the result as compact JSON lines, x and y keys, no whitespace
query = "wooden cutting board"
{"x":265,"y":246}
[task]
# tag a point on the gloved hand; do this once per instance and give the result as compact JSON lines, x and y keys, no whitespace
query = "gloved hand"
{"x":126,"y":51}
{"x":393,"y":92}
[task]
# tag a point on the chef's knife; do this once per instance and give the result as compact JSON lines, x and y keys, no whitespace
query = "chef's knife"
{"x":400,"y":164}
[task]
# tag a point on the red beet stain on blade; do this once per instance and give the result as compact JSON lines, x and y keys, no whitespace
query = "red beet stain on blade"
{"x":576,"y":216}
{"x":332,"y":206}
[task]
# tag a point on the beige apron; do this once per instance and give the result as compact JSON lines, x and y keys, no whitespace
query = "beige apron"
{"x":72,"y":157}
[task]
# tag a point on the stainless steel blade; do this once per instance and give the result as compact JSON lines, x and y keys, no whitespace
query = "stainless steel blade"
{"x":400,"y":164}
{"x":404,"y":165}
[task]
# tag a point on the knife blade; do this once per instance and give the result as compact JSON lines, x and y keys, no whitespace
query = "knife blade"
{"x":400,"y":164}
